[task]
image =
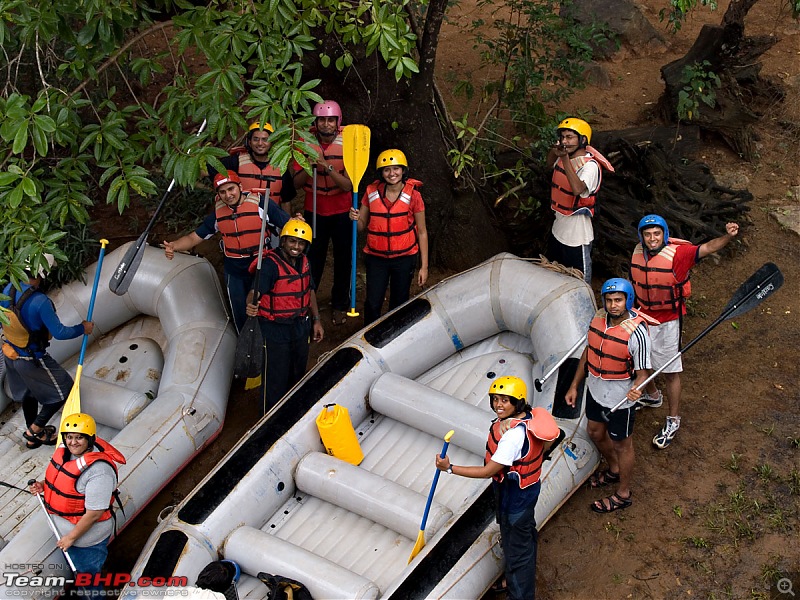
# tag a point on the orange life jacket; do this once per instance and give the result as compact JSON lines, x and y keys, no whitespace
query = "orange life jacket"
{"x":61,"y":497}
{"x":15,"y":332}
{"x":334,"y":155}
{"x":240,"y":226}
{"x":654,"y":280}
{"x":391,"y":230}
{"x":252,"y":177}
{"x":608,"y":357}
{"x":290,"y":297}
{"x":529,"y":466}
{"x":562,"y":198}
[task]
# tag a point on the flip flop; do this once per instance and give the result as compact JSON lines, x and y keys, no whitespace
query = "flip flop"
{"x":603,"y":478}
{"x":611,"y":503}
{"x":499,"y":586}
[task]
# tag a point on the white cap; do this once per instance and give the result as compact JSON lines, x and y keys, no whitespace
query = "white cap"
{"x":51,"y":262}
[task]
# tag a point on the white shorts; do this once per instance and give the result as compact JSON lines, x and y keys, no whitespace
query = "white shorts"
{"x":664,"y":345}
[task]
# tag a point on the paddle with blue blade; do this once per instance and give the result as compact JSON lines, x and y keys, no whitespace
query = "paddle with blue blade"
{"x":355,"y":151}
{"x":73,"y":404}
{"x":420,"y":544}
{"x":760,"y":286}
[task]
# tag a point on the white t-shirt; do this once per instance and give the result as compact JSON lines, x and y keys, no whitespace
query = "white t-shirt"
{"x":576,"y":230}
{"x":509,"y":448}
{"x":608,"y":392}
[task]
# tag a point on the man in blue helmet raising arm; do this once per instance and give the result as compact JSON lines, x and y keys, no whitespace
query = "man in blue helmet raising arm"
{"x":577,"y":173}
{"x":660,"y":270}
{"x":618,"y":358}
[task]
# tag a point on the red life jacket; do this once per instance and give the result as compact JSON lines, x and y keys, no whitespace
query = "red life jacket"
{"x":334,"y":155}
{"x":61,"y":497}
{"x":608,"y":356}
{"x":290,"y":297}
{"x":252,"y":177}
{"x":562,"y":198}
{"x":654,"y":280}
{"x":529,"y":466}
{"x":391,"y":230}
{"x":240,"y":226}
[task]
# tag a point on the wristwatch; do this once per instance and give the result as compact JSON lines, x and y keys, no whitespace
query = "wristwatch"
{"x":449,"y":470}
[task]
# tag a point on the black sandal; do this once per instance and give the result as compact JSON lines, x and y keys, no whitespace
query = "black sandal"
{"x":611,"y":503}
{"x":32,"y":441}
{"x":48,"y":435}
{"x":603,"y":478}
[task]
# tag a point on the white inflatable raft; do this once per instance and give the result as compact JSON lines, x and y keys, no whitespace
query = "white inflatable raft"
{"x":278,"y":503}
{"x":156,"y":378}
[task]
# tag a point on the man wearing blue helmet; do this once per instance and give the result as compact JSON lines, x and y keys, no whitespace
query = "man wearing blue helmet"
{"x":660,"y":270}
{"x":617,"y":356}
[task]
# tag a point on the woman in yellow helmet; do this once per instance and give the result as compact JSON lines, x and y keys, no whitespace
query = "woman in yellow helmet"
{"x":393,"y":214}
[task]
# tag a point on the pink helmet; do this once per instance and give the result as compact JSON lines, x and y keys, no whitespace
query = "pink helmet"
{"x":328,"y":108}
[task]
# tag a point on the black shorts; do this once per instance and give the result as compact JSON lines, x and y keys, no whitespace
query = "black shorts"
{"x":620,"y":423}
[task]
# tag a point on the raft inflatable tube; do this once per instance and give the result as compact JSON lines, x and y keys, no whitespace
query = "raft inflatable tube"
{"x":278,"y":503}
{"x":156,"y":378}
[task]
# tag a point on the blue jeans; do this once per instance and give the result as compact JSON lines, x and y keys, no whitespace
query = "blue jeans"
{"x":238,"y":288}
{"x":89,"y":559}
{"x":519,"y":539}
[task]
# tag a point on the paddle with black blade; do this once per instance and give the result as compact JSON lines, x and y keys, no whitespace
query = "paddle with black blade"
{"x":249,"y":355}
{"x":126,"y":269}
{"x":760,"y":286}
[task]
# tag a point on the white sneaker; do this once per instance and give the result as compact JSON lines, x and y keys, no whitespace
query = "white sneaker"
{"x":664,"y":438}
{"x":648,"y":401}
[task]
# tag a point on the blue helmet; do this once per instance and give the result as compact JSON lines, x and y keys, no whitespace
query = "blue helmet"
{"x":653,"y":221}
{"x":617,"y":284}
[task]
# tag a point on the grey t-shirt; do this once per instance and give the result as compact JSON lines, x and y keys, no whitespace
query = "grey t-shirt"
{"x":97,"y":483}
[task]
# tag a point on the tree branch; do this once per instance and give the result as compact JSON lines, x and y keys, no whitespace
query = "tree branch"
{"x":113,"y":58}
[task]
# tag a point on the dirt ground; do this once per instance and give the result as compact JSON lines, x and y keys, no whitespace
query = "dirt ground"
{"x":717,"y":514}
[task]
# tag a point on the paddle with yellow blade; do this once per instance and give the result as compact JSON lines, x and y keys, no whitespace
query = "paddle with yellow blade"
{"x":355,"y":150}
{"x":73,"y":404}
{"x":421,"y":535}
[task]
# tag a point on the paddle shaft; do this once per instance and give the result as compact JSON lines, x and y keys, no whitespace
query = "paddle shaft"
{"x":352,"y":311}
{"x":94,"y":296}
{"x":53,"y":528}
{"x":355,"y":155}
{"x":433,"y":488}
{"x":539,"y":382}
{"x":743,"y":300}
{"x":127,"y":267}
{"x":314,"y":204}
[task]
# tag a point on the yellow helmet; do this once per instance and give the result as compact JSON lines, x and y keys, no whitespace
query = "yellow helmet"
{"x":510,"y":386}
{"x":257,"y":125}
{"x":80,"y":423}
{"x":579,"y":126}
{"x":387,"y":158}
{"x":297,"y":228}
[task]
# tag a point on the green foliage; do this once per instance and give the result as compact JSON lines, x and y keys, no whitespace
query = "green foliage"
{"x":76,"y":127}
{"x":700,"y":86}
{"x":678,"y":9}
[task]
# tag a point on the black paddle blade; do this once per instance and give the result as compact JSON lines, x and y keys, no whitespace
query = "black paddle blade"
{"x":761,"y":284}
{"x":249,"y":355}
{"x":126,"y":269}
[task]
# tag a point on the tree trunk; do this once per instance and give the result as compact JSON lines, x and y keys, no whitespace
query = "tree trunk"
{"x":743,"y":97}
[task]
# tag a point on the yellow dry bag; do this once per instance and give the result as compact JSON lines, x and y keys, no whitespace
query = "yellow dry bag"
{"x":337,"y":434}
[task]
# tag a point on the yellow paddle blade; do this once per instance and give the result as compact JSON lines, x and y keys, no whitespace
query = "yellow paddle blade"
{"x":355,"y":151}
{"x":252,"y":382}
{"x":418,"y":546}
{"x":73,"y":404}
